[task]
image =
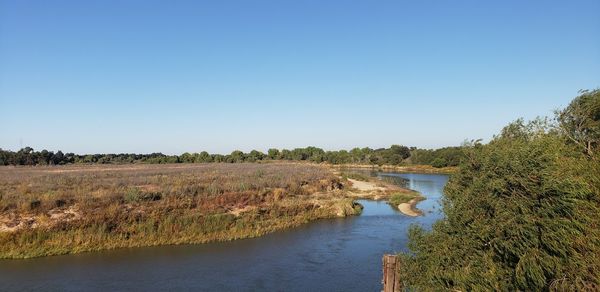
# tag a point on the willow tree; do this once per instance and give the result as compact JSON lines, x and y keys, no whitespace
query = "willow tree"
{"x":580,"y":121}
{"x":522,"y":213}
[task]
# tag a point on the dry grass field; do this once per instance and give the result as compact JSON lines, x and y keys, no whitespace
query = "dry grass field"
{"x":67,"y":209}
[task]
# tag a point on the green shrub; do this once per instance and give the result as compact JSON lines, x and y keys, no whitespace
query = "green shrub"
{"x":439,"y":163}
{"x":521,"y":215}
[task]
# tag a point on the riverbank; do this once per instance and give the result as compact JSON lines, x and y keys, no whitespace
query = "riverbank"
{"x":70,"y":209}
{"x":425,"y":169}
{"x":410,"y":208}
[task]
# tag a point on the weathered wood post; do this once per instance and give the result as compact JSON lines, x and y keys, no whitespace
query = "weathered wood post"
{"x":391,"y":282}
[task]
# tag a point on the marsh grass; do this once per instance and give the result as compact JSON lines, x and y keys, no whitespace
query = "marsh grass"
{"x":145,"y":205}
{"x":405,"y":197}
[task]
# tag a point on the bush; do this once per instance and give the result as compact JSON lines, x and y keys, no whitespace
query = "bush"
{"x":439,"y":163}
{"x":521,"y":215}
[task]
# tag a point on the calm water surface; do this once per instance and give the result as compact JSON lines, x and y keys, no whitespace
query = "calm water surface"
{"x":327,"y":255}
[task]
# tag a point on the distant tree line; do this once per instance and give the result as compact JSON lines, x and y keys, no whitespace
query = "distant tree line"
{"x":394,"y":155}
{"x":447,"y":156}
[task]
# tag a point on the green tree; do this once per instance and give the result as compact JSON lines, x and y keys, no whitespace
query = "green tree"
{"x":402,"y":151}
{"x":580,"y":121}
{"x":315,"y":154}
{"x":286,"y":154}
{"x":299,"y":154}
{"x":273,"y":154}
{"x":203,"y":157}
{"x":521,"y":214}
{"x":186,"y":157}
{"x":5,"y":157}
{"x":45,"y":157}
{"x":356,"y":155}
{"x":236,"y":156}
{"x":58,"y":158}
{"x":218,"y":158}
{"x":255,"y":155}
{"x":439,"y":162}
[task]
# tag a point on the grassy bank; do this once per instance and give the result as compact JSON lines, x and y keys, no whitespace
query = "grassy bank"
{"x":397,"y":168}
{"x":59,"y":210}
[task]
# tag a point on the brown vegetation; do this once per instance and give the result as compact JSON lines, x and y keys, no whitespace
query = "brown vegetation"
{"x":55,"y":210}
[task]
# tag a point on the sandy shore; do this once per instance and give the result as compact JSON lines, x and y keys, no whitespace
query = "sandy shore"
{"x":410,"y":209}
{"x":365,"y":186}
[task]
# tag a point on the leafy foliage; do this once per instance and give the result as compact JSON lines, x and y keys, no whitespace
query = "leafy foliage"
{"x":443,"y":157}
{"x":580,"y":121}
{"x":521,"y":214}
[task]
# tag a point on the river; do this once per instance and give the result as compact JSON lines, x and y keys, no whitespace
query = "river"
{"x":327,"y":255}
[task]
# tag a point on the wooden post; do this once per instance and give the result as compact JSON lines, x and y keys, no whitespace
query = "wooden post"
{"x":391,"y":283}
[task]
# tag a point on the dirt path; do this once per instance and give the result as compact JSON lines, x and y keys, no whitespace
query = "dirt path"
{"x":364,"y":186}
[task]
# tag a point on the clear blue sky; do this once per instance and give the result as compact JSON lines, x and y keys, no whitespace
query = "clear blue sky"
{"x":176,"y":76}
